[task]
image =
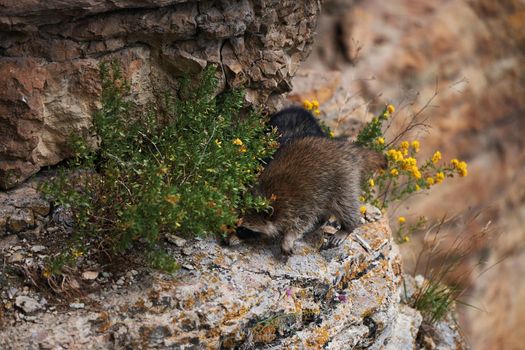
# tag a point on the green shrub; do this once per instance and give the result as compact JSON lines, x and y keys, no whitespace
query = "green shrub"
{"x":182,"y":165}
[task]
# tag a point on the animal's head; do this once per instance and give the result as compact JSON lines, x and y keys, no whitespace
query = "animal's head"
{"x":258,"y":222}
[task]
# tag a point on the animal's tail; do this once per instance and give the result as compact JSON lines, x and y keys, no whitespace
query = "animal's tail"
{"x":372,"y":160}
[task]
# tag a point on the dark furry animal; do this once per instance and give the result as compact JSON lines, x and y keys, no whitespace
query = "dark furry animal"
{"x":308,"y":180}
{"x":294,"y":123}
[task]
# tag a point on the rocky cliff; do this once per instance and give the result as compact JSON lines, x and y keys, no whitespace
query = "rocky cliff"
{"x":242,"y":297}
{"x":474,"y":53}
{"x":50,"y":52}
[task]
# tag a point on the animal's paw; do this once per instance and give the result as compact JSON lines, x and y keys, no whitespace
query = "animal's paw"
{"x":372,"y":213}
{"x":232,"y":240}
{"x":335,"y":240}
{"x":287,"y":248}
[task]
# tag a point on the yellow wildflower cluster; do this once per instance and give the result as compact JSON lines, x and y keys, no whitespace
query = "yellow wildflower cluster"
{"x":395,"y":155}
{"x":460,"y":166}
{"x":313,"y":106}
{"x":404,"y":175}
{"x":409,"y":164}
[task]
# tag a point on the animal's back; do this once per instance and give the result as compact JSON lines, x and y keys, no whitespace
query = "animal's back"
{"x":309,"y":172}
{"x":294,"y":123}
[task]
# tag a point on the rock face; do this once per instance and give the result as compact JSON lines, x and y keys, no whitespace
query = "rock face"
{"x":243,"y":297}
{"x":50,"y":52}
{"x":23,"y":210}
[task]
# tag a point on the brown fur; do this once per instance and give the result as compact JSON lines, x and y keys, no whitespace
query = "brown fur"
{"x":309,"y":180}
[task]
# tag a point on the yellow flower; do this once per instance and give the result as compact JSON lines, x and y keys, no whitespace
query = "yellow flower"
{"x":404,"y":145}
{"x":436,"y":157}
{"x":361,"y":198}
{"x":417,"y":187}
{"x":331,"y":134}
{"x":172,"y":198}
{"x":430,"y":181}
{"x":218,"y":143}
{"x":440,"y":177}
{"x":315,"y":104}
{"x":462,"y":169}
{"x":362,"y":209}
{"x":380,"y":141}
{"x":237,"y":142}
{"x":415,"y":146}
{"x":401,"y":220}
{"x":307,"y":105}
{"x":371,"y":183}
{"x":394,"y":172}
{"x":409,"y":163}
{"x":406,"y":239}
{"x":415,"y":172}
{"x":317,"y":112}
{"x":243,"y":149}
{"x":395,"y":155}
{"x":454,"y":162}
{"x":76,"y":253}
{"x":390,"y":109}
{"x":46,"y":273}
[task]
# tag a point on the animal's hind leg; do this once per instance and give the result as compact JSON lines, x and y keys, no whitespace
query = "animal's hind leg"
{"x":346,"y":211}
{"x":293,"y":232}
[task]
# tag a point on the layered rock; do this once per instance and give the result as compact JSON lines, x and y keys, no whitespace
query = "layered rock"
{"x":50,"y":52}
{"x":242,"y":297}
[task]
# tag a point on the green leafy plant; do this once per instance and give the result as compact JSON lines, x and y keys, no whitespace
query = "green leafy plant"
{"x":182,"y":165}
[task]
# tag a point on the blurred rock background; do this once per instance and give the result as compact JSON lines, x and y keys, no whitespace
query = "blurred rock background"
{"x":465,"y":59}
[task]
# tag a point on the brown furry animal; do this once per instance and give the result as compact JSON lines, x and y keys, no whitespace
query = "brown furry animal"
{"x":308,"y":180}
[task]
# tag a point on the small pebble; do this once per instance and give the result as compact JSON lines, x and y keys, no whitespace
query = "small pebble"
{"x":89,"y":275}
{"x":178,"y":241}
{"x":77,"y":305}
{"x":16,"y":257}
{"x":38,"y":248}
